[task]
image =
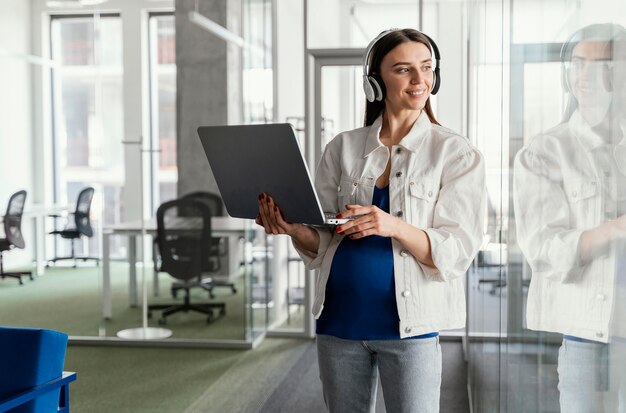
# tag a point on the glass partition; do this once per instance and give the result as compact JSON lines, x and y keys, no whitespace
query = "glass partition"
{"x":93,"y":303}
{"x":548,"y":115}
{"x":228,"y":284}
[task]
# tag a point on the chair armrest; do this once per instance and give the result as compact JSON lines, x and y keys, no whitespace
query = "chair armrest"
{"x":30,"y":394}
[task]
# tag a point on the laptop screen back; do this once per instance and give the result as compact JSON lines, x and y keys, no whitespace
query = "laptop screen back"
{"x":247,"y":160}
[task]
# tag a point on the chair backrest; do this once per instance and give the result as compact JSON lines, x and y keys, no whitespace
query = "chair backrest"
{"x":216,"y":205}
{"x":184,"y":237}
{"x":81,"y":214}
{"x":13,"y":219}
{"x":30,"y":357}
{"x":213,"y":201}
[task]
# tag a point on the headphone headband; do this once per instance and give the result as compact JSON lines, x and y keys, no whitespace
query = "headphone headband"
{"x":605,"y":32}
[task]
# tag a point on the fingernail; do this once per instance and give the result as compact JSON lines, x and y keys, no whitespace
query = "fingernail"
{"x":338,"y":230}
{"x":338,"y":216}
{"x":352,"y":236}
{"x":260,"y":197}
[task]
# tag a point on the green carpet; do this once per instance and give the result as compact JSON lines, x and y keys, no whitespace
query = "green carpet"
{"x":136,"y":380}
{"x":69,"y":300}
{"x":115,"y":379}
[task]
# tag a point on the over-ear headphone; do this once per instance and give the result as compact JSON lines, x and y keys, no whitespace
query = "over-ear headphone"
{"x":373,"y":85}
{"x":601,"y":31}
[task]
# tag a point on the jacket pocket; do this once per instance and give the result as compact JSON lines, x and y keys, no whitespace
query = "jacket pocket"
{"x":584,"y":202}
{"x":580,"y":189}
{"x":347,"y":192}
{"x":422,"y":194}
{"x":424,"y":189}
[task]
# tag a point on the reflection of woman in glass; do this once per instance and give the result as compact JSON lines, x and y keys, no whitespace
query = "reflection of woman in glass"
{"x":390,"y":280}
{"x":570,"y":208}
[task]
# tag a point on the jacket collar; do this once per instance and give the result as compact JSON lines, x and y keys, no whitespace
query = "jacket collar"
{"x":587,"y":136}
{"x":411,"y":142}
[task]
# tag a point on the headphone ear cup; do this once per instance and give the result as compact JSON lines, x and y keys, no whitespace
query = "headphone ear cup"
{"x":370,"y":95}
{"x":378,"y":86}
{"x":564,"y":81}
{"x":607,"y":74}
{"x":436,"y":82}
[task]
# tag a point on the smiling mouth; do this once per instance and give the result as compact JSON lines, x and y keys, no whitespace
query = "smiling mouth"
{"x":415,"y":92}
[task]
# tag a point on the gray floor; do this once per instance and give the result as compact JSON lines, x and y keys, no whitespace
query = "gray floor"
{"x":300,"y":390}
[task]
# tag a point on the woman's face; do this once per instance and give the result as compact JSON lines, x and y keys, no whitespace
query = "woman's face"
{"x":585,"y":75}
{"x":407,"y":72}
{"x":585,"y":71}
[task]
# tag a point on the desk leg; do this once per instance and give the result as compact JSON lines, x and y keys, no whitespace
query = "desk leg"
{"x":132,"y":261}
{"x":234,"y":257}
{"x":155,"y":276}
{"x":106,"y":277}
{"x":40,"y":233}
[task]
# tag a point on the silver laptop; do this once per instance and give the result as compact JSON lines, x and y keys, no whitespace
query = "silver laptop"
{"x":247,"y":160}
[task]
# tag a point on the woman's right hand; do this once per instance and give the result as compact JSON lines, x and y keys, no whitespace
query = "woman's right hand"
{"x":271,"y":218}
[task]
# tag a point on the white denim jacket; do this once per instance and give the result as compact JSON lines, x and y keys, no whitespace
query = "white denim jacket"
{"x":437,"y":183}
{"x":558,"y":194}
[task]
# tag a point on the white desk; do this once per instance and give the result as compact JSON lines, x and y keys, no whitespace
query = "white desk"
{"x":232,"y":228}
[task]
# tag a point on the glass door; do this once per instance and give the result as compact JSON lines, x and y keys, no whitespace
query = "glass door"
{"x":337,"y":104}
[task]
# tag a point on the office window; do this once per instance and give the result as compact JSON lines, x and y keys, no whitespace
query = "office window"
{"x":164,"y":171}
{"x":258,"y":105}
{"x":88,"y":115}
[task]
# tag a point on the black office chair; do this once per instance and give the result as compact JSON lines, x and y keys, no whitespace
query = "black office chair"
{"x":218,"y":248}
{"x":184,"y":238}
{"x":13,"y":233}
{"x":77,"y":227}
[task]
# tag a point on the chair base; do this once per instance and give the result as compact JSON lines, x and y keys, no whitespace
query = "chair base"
{"x":76,"y":259}
{"x":18,"y":275}
{"x":207,"y":284}
{"x":204,"y":308}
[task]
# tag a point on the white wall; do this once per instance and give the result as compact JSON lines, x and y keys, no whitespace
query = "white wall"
{"x":16,"y":139}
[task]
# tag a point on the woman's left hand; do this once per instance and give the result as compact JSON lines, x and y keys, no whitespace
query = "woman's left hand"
{"x":371,"y":221}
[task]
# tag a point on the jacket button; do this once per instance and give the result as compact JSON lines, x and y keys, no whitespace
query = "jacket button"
{"x":407,"y":330}
{"x":406,"y":293}
{"x":399,"y":213}
{"x":404,"y":253}
{"x":430,"y":193}
{"x":398,"y":174}
{"x":599,"y":334}
{"x":601,"y":297}
{"x":398,"y":150}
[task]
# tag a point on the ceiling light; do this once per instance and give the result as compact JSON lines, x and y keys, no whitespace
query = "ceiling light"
{"x":73,"y":3}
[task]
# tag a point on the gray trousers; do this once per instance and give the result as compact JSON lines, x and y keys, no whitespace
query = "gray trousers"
{"x":591,"y":377}
{"x":410,"y":374}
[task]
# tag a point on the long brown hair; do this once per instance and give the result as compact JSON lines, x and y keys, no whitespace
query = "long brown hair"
{"x":379,"y":51}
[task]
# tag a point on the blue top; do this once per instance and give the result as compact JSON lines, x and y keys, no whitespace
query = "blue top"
{"x":360,"y":302}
